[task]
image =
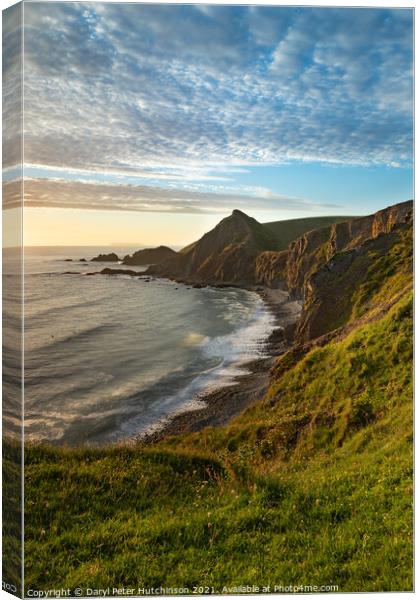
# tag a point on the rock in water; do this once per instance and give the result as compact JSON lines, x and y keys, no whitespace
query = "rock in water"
{"x":149,"y":256}
{"x":111,"y":257}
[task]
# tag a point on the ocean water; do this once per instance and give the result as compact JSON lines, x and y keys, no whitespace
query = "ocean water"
{"x":112,"y":357}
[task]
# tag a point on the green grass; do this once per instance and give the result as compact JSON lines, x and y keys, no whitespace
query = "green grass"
{"x":311,"y":486}
{"x":12,"y":512}
{"x":287,"y":231}
{"x":387,"y":274}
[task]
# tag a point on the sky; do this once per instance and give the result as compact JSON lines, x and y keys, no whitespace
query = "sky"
{"x":147,"y":124}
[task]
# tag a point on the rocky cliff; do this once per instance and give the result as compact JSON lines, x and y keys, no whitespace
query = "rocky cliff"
{"x":270,"y":269}
{"x":359,"y":282}
{"x":315,"y":248}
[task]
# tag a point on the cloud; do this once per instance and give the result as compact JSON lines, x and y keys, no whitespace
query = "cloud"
{"x":123,"y":86}
{"x":56,"y":193}
{"x":12,"y":85}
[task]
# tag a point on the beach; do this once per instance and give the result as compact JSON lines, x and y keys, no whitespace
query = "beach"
{"x":225,"y":403}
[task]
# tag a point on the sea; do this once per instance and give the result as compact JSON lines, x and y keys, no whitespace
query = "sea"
{"x":112,"y":358}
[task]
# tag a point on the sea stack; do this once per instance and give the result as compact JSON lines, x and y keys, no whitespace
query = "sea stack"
{"x":111,"y":257}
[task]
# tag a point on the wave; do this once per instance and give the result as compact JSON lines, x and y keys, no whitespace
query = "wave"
{"x":234,"y":351}
{"x":53,"y":311}
{"x":245,"y":342}
{"x":151,"y":354}
{"x":78,"y":336}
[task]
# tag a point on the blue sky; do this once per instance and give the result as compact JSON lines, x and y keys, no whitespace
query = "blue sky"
{"x":199,"y":109}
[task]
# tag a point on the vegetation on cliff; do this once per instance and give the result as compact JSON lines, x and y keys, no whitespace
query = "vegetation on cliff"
{"x":315,"y":482}
{"x":311,"y":485}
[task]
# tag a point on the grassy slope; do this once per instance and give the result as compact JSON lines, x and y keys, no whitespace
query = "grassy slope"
{"x":312,"y":485}
{"x":287,"y":231}
{"x":316,"y":483}
{"x":12,"y":513}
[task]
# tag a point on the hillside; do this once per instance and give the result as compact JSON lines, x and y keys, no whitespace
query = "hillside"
{"x":289,"y":230}
{"x":365,"y":279}
{"x":309,"y":252}
{"x":226,"y":254}
{"x":313,"y":480}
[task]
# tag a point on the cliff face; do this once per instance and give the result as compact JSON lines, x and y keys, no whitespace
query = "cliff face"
{"x":226,"y":254}
{"x":270,"y":269}
{"x":315,"y":248}
{"x":149,"y":256}
{"x":359,"y":282}
{"x":345,"y":272}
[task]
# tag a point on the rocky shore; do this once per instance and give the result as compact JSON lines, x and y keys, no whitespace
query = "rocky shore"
{"x":222,"y":404}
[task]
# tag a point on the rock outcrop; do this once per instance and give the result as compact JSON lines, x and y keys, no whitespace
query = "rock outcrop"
{"x":108,"y":271}
{"x":149,"y":256}
{"x":111,"y":257}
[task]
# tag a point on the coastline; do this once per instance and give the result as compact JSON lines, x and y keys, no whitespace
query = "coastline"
{"x":225,"y":403}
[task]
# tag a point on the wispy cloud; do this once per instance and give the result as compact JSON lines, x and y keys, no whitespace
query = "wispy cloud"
{"x":56,"y":193}
{"x":160,"y":107}
{"x":121,"y":86}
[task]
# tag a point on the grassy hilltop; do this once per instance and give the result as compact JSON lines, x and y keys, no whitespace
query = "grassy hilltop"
{"x":312,"y":485}
{"x":287,"y":231}
{"x":228,"y":253}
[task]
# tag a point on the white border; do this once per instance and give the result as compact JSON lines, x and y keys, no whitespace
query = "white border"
{"x":320,"y":3}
